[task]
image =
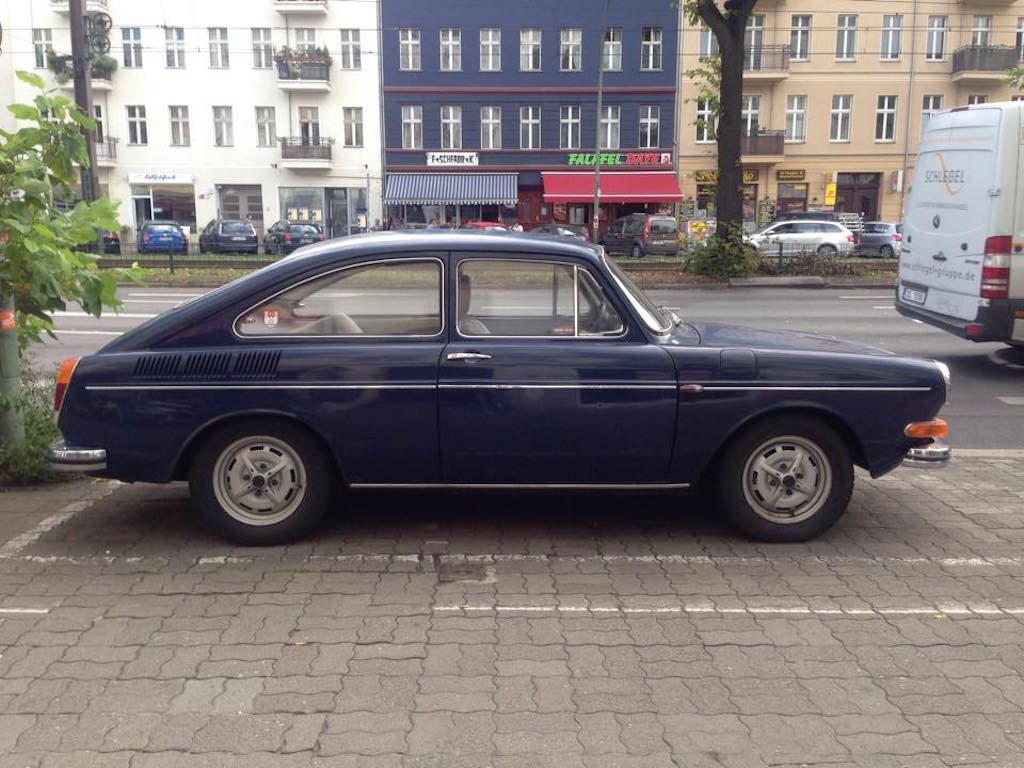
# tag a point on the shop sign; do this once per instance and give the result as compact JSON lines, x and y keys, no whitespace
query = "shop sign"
{"x":750,"y":176}
{"x":160,"y":177}
{"x":453,"y":158}
{"x":765,"y":213}
{"x":633,"y":159}
{"x":830,"y":194}
{"x":790,"y":175}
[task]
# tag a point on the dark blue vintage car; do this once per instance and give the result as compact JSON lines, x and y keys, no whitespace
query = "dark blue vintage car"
{"x":483,"y":361}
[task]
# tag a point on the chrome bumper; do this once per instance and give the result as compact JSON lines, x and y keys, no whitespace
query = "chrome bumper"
{"x":937,"y":453}
{"x":71,"y":458}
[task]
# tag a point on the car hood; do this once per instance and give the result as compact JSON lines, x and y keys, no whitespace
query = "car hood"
{"x":723,"y":335}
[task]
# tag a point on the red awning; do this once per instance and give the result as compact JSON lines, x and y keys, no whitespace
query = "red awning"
{"x":616,"y":187}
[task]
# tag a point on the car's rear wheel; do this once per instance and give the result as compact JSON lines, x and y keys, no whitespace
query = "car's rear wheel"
{"x":827,"y":250}
{"x":261,"y":482}
{"x":785,"y":479}
{"x":886,"y":252}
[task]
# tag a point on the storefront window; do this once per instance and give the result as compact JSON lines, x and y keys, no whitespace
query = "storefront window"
{"x":792,"y":197}
{"x":165,"y":202}
{"x":302,"y":204}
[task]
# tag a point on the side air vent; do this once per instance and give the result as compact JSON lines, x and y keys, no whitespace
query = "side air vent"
{"x":256,"y":365}
{"x":206,"y":365}
{"x":157,"y":366}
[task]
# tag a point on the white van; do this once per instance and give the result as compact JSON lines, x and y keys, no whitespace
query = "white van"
{"x":962,"y":255}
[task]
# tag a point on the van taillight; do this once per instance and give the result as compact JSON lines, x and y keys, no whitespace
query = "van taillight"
{"x":67,"y":368}
{"x":995,"y":269}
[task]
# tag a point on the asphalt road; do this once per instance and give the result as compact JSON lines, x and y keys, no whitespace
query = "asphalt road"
{"x":987,"y":408}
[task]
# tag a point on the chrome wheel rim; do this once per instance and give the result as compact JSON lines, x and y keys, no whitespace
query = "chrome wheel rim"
{"x":787,"y":479}
{"x":259,"y":480}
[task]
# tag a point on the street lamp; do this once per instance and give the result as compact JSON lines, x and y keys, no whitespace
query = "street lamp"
{"x":597,"y":153}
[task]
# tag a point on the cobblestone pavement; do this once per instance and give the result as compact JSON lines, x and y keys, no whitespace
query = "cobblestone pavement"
{"x":537,"y":630}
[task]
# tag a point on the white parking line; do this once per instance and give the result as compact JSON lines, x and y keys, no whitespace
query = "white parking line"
{"x":23,"y":611}
{"x":752,"y":611}
{"x":1011,"y":400}
{"x":164,"y":295}
{"x":13,"y":547}
{"x":115,"y":315}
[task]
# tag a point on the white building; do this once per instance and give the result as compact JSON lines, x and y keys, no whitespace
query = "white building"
{"x":202,"y":116}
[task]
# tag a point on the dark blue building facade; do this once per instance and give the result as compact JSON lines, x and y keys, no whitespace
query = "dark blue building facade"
{"x":485,"y":102}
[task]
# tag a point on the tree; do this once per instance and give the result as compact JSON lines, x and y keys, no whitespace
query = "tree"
{"x":728,"y":22}
{"x":40,"y":264}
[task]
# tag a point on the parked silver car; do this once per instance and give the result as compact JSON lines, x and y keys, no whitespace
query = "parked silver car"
{"x":880,"y":238}
{"x":827,"y":238}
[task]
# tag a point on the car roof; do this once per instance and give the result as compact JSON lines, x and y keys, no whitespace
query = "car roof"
{"x":807,"y":221}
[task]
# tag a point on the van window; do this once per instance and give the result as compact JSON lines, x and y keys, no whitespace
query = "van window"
{"x":663,"y":226}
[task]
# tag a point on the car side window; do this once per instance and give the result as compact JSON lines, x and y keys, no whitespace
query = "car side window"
{"x":391,"y":298}
{"x":781,"y":229}
{"x":635,"y":227}
{"x":520,"y":298}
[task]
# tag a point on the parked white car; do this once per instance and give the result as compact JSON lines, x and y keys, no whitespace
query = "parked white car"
{"x":828,"y":238}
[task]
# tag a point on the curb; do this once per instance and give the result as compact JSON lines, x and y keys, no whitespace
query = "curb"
{"x":808,"y":281}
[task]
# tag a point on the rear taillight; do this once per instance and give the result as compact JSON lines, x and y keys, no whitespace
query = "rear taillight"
{"x":647,"y":228}
{"x":897,"y":237}
{"x":320,"y":236}
{"x":849,"y":237}
{"x":67,"y":368}
{"x":145,"y":237}
{"x":995,"y":269}
{"x":287,"y":237}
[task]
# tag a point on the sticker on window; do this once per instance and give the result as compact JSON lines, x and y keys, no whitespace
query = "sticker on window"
{"x":270,"y":317}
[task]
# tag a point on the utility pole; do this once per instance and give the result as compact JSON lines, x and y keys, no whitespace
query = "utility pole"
{"x":595,"y":223}
{"x":80,"y":62}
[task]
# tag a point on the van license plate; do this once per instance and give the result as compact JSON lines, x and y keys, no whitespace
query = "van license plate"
{"x":914,"y":296}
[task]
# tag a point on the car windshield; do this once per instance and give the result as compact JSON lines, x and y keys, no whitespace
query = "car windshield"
{"x":236,"y":228}
{"x":653,"y":316}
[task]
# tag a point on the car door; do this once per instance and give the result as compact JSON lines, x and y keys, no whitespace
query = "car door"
{"x":614,"y":237}
{"x":540,"y":384}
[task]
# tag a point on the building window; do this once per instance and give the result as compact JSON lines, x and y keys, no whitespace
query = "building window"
{"x":751,"y":115}
{"x":451,"y":127}
{"x":180,"y":136}
{"x":42,"y":41}
{"x":981,"y":31}
{"x":309,"y":125}
{"x":490,"y":127}
{"x":97,"y":113}
{"x":650,"y":127}
{"x":842,"y":110}
{"x":305,"y":39}
{"x":935,"y":44}
{"x":451,"y":50}
{"x":490,"y":49}
{"x":705,"y":122}
{"x":218,"y":47}
{"x":753,"y":42}
{"x":708,"y":46}
{"x":137,"y":133}
{"x":800,"y":38}
{"x":529,"y":50}
{"x":412,"y":127}
{"x":885,"y":119}
{"x":409,"y":49}
{"x":569,"y":127}
{"x":351,"y":52}
{"x":610,"y":126}
{"x":977,"y":98}
{"x":892,"y":28}
{"x":223,"y":131}
{"x":352,"y":119}
{"x":570,"y":52}
{"x":650,"y":48}
{"x":846,"y":37}
{"x":529,"y":127}
{"x":131,"y":41}
{"x":796,"y":118}
{"x":1020,"y":38}
{"x":930,"y":105}
{"x":262,"y":48}
{"x":611,"y":50}
{"x":266,"y":127}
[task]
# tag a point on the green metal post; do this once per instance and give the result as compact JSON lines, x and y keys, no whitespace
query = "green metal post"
{"x":12,"y":428}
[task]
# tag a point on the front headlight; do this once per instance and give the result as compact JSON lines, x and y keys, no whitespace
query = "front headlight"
{"x":944,"y":370}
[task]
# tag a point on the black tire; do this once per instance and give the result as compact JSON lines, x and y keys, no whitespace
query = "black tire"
{"x":637,"y":252}
{"x":886,"y":252}
{"x":314,"y":473}
{"x":737,"y":479}
{"x":827,"y":250}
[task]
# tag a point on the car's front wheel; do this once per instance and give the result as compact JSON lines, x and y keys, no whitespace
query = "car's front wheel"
{"x":262,"y":482}
{"x":785,"y":479}
{"x":827,"y":250}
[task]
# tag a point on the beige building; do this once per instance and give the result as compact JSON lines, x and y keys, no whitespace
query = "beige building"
{"x":834,"y":100}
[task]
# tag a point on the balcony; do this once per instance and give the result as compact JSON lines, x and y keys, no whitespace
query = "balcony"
{"x":64,"y":6}
{"x":106,"y":152}
{"x":764,"y":147}
{"x":981,"y":63}
{"x":98,"y":84}
{"x":308,"y":76}
{"x":299,"y":153}
{"x":301,"y":7}
{"x":766,"y":63}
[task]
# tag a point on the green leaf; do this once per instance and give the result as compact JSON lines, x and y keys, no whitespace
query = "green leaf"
{"x":36,"y":81}
{"x":24,"y":111}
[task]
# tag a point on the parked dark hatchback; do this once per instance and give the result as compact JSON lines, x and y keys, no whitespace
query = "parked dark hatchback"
{"x":161,"y":237}
{"x":285,"y":236}
{"x":228,"y":236}
{"x":640,"y":235}
{"x":483,"y":361}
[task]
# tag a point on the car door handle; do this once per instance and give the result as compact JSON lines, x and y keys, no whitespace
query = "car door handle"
{"x":468,"y":356}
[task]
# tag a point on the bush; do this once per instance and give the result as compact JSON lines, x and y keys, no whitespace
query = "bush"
{"x":723,"y":257}
{"x":23,"y":463}
{"x":809,"y":263}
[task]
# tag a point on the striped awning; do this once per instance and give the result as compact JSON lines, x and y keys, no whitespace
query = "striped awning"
{"x":451,"y":189}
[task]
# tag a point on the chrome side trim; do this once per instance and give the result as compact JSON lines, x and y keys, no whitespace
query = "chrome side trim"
{"x":526,"y":486}
{"x":665,"y":387}
{"x":714,"y":388}
{"x":61,"y":456}
{"x":234,"y":387}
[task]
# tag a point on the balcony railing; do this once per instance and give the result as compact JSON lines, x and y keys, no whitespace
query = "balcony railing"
{"x":299,"y":148}
{"x":763,"y":143}
{"x":985,"y":58}
{"x":766,"y":58}
{"x":64,"y":6}
{"x":304,"y":70}
{"x":106,"y":148}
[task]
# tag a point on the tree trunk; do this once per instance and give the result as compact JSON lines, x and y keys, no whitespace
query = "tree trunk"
{"x":729,"y":193}
{"x":12,"y":425}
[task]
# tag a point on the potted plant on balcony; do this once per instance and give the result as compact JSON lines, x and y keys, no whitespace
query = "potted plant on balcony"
{"x":103,"y":67}
{"x":60,"y":65}
{"x":285,"y":58}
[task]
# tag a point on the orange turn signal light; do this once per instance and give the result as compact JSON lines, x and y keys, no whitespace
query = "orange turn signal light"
{"x":936,"y":428}
{"x":63,"y":379}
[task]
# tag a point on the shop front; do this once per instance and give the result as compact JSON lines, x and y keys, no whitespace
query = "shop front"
{"x":792,"y":190}
{"x":445,"y":199}
{"x":241,"y":201}
{"x":707,"y":186}
{"x":338,"y":211}
{"x":570,"y":194}
{"x":161,"y":196}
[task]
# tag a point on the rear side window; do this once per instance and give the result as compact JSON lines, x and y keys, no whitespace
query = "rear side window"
{"x":663,"y":226}
{"x":236,"y":228}
{"x":396,"y":298}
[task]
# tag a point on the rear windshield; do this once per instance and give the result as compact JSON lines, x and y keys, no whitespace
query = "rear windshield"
{"x":663,"y":226}
{"x":161,"y":228}
{"x":876,"y":229}
{"x":236,"y":228}
{"x":303,"y":229}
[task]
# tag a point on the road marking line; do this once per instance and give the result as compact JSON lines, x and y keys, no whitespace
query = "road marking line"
{"x":162,"y":295}
{"x":805,"y":610}
{"x":23,"y":611}
{"x":175,"y":302}
{"x":13,"y":547}
{"x":885,"y":306}
{"x":115,"y":315}
{"x":1010,"y":400}
{"x":60,"y":332}
{"x":865,"y":298}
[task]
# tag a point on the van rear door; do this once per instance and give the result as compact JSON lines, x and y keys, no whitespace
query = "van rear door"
{"x":957,"y":200}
